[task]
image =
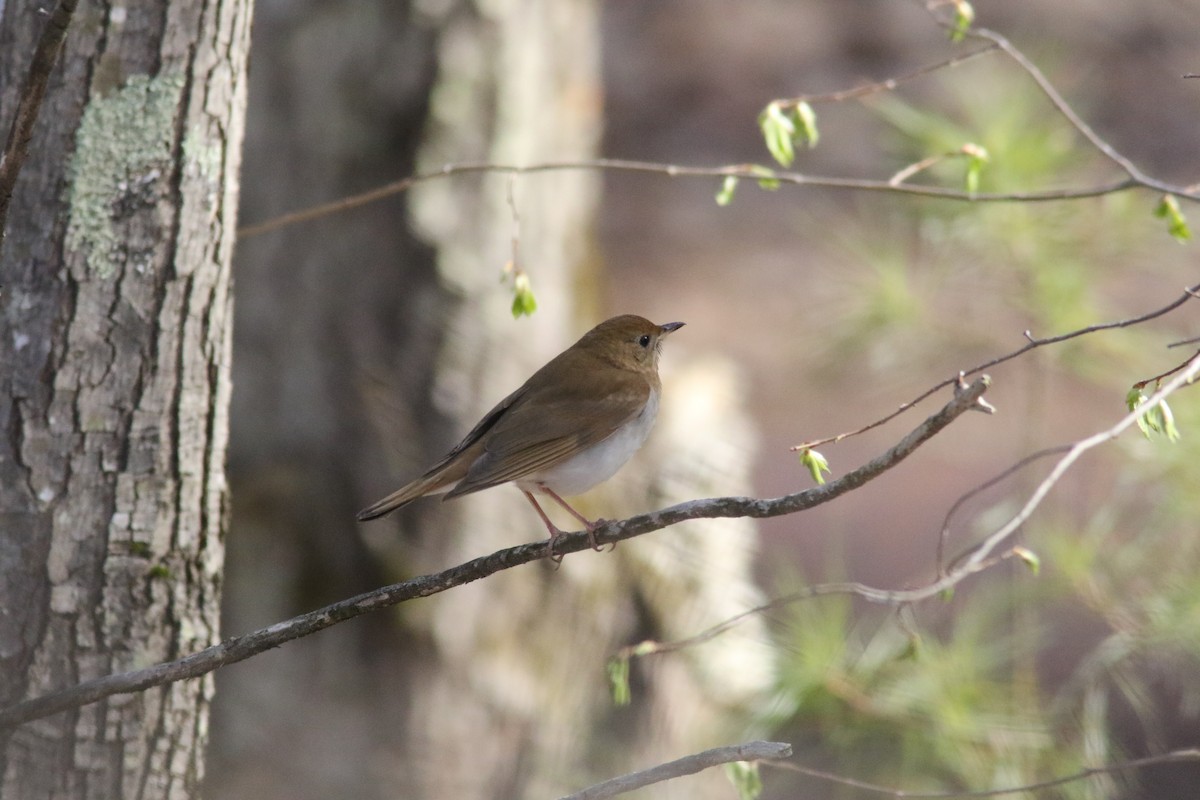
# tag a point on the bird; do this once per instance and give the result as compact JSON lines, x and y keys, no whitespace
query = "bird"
{"x":569,"y":427}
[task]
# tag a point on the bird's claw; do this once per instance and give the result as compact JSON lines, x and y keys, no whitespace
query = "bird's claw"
{"x":591,"y":534}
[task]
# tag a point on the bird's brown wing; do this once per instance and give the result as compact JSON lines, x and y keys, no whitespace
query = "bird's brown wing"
{"x":481,"y":428}
{"x":536,"y":433}
{"x":450,"y":469}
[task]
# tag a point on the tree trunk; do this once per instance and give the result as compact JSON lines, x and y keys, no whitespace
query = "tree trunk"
{"x":114,"y":363}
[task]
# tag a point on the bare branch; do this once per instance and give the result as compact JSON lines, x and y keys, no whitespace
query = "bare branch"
{"x":891,"y":83}
{"x":1158,"y":378}
{"x":773,"y":754}
{"x":240,"y":648}
{"x":752,"y":172}
{"x":17,"y":146}
{"x":1060,"y":103}
{"x":887,"y":597}
{"x":1032,"y":343}
{"x":688,"y":765}
{"x":989,"y":483}
{"x":1173,"y":757}
{"x":1064,"y":108}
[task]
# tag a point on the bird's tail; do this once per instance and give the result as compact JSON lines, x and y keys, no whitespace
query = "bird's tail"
{"x":427,"y":484}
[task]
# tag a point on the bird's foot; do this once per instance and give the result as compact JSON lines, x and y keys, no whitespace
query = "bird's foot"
{"x":555,"y":557}
{"x":588,"y":525}
{"x":591,"y":527}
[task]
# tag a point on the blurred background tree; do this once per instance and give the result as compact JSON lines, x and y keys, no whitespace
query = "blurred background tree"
{"x":367,"y":344}
{"x":367,"y":341}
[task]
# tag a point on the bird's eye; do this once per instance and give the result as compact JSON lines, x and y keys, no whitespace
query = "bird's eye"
{"x":644,"y":340}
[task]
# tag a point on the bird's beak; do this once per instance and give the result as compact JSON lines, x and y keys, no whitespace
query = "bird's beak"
{"x":670,"y":326}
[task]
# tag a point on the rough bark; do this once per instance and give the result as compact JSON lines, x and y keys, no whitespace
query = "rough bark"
{"x":114,"y":386}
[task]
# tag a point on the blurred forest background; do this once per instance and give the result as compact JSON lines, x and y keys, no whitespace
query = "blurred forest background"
{"x":367,"y":342}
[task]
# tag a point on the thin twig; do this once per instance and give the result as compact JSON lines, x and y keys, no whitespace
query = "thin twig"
{"x":516,"y":224}
{"x":1160,"y":376}
{"x":989,"y":483}
{"x":1173,"y":757}
{"x":688,"y":765}
{"x":240,"y":648}
{"x":752,"y":172}
{"x":896,"y":598}
{"x":42,"y":65}
{"x":891,"y":83}
{"x":1031,"y":344}
{"x":917,"y":166}
{"x":1058,"y":101}
{"x":1064,"y":108}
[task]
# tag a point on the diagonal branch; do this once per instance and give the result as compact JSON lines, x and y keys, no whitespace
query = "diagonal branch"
{"x":889,"y":84}
{"x":1173,"y":757}
{"x":1064,"y":108}
{"x":688,"y":765}
{"x":1004,"y":475}
{"x":1189,"y":293}
{"x":240,"y":648}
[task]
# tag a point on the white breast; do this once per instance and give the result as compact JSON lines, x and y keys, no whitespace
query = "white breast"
{"x":600,"y":461}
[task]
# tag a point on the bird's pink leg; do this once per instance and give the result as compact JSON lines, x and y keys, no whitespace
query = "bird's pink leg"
{"x":588,"y":525}
{"x":550,"y":526}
